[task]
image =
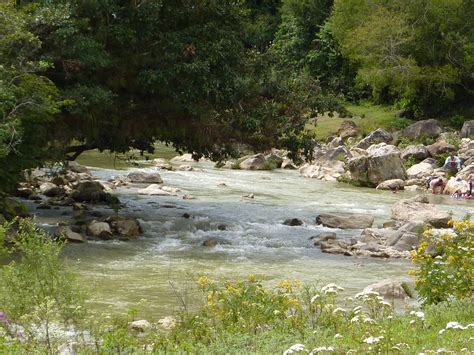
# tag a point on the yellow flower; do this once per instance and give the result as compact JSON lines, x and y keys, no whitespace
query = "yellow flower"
{"x":252,"y":278}
{"x":203,"y":282}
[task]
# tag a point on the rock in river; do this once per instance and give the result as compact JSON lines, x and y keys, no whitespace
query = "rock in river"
{"x":347,"y":221}
{"x":419,"y":209}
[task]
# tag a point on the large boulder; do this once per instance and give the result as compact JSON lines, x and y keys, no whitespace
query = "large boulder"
{"x":340,"y":153}
{"x":417,"y":152}
{"x":465,"y":172}
{"x":420,"y":170}
{"x":162,"y":163}
{"x":382,"y":163}
{"x":467,"y":130}
{"x":348,"y":129}
{"x":346,"y":221}
{"x":389,"y":289}
{"x":185,"y":158}
{"x":255,"y":162}
{"x":144,"y":178}
{"x":393,"y":185}
{"x":89,"y":191}
{"x":426,"y":128}
{"x":375,"y":137}
{"x":327,"y":170}
{"x":440,"y":147}
{"x":378,"y":235}
{"x":419,"y":209}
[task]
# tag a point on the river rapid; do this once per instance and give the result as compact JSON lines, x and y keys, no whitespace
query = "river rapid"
{"x":156,"y":272}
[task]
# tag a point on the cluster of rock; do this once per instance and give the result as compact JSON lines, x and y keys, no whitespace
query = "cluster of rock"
{"x":76,"y":188}
{"x":376,"y":161}
{"x":396,"y":239}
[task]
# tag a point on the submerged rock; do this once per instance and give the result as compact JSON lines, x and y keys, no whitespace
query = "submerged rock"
{"x":155,"y":190}
{"x":346,"y":221}
{"x":211,"y":242}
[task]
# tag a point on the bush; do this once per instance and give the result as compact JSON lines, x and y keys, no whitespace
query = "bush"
{"x":38,"y":293}
{"x":445,"y":264}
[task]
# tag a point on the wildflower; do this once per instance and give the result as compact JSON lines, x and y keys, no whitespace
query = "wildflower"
{"x":372,"y":340}
{"x":331,"y":289}
{"x":339,"y":310}
{"x":276,"y":312}
{"x":294,"y":348}
{"x":355,"y":319}
{"x":314,"y":298}
{"x":337,"y":336}
{"x":321,"y":348}
{"x":418,"y":314}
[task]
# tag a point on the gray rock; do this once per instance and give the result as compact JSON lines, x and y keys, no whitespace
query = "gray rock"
{"x":467,"y":130}
{"x":77,"y":168}
{"x":72,"y":236}
{"x":440,"y":147}
{"x":335,"y":247}
{"x":255,"y":162}
{"x":389,"y":289}
{"x":99,"y":230}
{"x":125,"y":227}
{"x":139,"y":325}
{"x":417,"y":152}
{"x":274,"y":159}
{"x":323,"y":237}
{"x":420,"y":129}
{"x":420,"y":171}
{"x":375,"y":137}
{"x":393,"y":185}
{"x":418,"y":209}
{"x":383,"y":163}
{"x":293,"y":222}
{"x":51,"y":190}
{"x":346,"y":221}
{"x":144,"y":178}
{"x":211,"y":242}
{"x":89,"y":191}
{"x":348,"y":129}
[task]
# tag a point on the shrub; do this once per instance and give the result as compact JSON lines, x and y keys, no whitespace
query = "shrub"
{"x":445,"y":264}
{"x":38,"y":292}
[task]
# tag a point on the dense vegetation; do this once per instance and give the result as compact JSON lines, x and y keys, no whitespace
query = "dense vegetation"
{"x":202,"y":75}
{"x":40,"y":299}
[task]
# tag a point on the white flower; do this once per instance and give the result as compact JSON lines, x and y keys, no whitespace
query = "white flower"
{"x":314,"y":298}
{"x":294,"y":348}
{"x":355,"y":319}
{"x":369,"y":320}
{"x":412,"y":321}
{"x":321,"y":348}
{"x":372,"y":340}
{"x":339,"y":310}
{"x":276,"y":312}
{"x":418,"y":314}
{"x":331,"y":288}
{"x":337,"y":336}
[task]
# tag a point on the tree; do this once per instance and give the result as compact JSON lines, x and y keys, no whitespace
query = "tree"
{"x":28,"y":100}
{"x":416,"y":52}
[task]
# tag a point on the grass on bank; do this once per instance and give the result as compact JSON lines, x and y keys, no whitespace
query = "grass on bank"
{"x":367,"y":116}
{"x":108,"y":160}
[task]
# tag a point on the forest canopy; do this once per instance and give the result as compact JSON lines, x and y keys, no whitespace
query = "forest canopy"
{"x":203,"y":75}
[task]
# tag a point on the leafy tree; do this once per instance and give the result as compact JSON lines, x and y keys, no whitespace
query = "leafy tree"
{"x":28,"y":100}
{"x":416,"y":52}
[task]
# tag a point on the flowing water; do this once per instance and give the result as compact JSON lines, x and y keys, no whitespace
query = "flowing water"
{"x":155,"y":272}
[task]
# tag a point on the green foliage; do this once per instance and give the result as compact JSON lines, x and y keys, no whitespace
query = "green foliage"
{"x":38,"y":292}
{"x":410,"y":162}
{"x":425,"y":63}
{"x":404,"y":142}
{"x":28,"y":100}
{"x":445,"y":264}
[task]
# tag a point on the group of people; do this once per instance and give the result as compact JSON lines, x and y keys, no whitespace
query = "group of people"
{"x":452,"y":165}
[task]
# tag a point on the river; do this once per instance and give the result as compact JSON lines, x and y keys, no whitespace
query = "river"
{"x":157,"y":270}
